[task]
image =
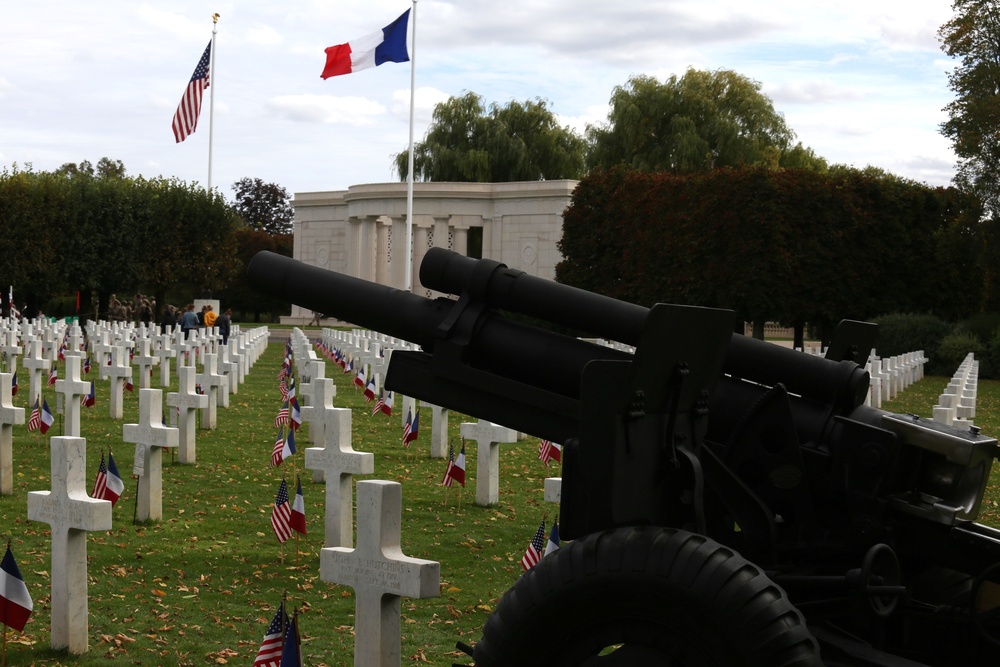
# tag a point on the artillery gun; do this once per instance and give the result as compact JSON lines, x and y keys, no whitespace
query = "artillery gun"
{"x":729,"y":502}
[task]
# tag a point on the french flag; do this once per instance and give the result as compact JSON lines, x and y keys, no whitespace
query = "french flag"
{"x":16,"y":603}
{"x":388,"y":45}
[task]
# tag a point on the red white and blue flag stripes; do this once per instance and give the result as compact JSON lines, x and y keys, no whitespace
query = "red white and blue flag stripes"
{"x":15,"y":601}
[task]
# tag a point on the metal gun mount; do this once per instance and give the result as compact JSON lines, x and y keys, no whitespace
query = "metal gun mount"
{"x":730,"y":502}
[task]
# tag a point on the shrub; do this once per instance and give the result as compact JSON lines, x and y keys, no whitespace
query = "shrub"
{"x":982,"y":325}
{"x":899,"y":333}
{"x":952,"y":351}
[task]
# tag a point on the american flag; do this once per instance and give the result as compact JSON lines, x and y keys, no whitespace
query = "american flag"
{"x":269,"y":654}
{"x":379,"y":404}
{"x":53,"y":376}
{"x":410,"y":431}
{"x":283,"y":388}
{"x":86,"y":365}
{"x":549,"y":451}
{"x":281,"y":514}
{"x":35,"y":420}
{"x":455,"y":472}
{"x":535,"y":548}
{"x":101,"y":483}
{"x":186,"y":116}
{"x":109,"y":485}
{"x":298,"y":520}
{"x":282,"y":417}
{"x":279,"y":445}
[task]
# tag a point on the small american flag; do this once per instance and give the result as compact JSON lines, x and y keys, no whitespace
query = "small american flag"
{"x":269,"y":654}
{"x":279,"y":445}
{"x":282,"y":417}
{"x":35,"y":420}
{"x":535,"y":548}
{"x":186,"y":117}
{"x":412,"y":429}
{"x":102,"y":480}
{"x":549,"y":451}
{"x":281,"y":515}
{"x":379,"y":404}
{"x":53,"y":376}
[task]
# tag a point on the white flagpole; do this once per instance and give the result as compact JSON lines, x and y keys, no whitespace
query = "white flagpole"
{"x":211,"y":99}
{"x":408,"y":282}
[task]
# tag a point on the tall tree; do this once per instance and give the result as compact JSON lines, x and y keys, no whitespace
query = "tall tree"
{"x":700,"y":121}
{"x":264,"y":207}
{"x":468,"y":142}
{"x":972,"y":36}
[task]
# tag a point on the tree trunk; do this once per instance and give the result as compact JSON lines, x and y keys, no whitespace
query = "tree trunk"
{"x":758,"y":329}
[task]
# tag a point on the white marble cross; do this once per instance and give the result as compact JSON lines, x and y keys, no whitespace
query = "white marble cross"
{"x":215,"y":387}
{"x":119,"y":371}
{"x":380,"y":574}
{"x":145,"y":360}
{"x":439,"y":430}
{"x":36,"y":362}
{"x":321,"y":393}
{"x":11,"y":349}
{"x":150,"y":436}
{"x":187,"y":403}
{"x":73,"y":388}
{"x":338,"y":461}
{"x":70,"y":512}
{"x":9,"y":415}
{"x":102,"y":350}
{"x":229,"y":368}
{"x":489,"y":436}
{"x":165,"y":353}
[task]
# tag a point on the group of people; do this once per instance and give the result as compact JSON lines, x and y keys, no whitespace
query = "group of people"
{"x":191,"y":321}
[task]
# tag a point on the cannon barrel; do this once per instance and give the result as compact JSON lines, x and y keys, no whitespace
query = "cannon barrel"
{"x":523,"y":352}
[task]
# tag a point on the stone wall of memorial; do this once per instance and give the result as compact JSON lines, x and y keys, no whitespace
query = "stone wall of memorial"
{"x":361,"y":231}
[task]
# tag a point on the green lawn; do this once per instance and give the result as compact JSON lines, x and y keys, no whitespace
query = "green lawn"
{"x":200,"y":587}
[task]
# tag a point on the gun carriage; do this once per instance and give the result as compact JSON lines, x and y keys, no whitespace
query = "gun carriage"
{"x":729,"y":501}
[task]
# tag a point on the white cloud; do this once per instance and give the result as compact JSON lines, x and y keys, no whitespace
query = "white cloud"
{"x":798,"y":91}
{"x":425,"y":99}
{"x":308,"y":108}
{"x":264,"y":35}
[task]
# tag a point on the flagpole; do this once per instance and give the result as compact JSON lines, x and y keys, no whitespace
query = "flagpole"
{"x":211,"y":99}
{"x":408,"y":281}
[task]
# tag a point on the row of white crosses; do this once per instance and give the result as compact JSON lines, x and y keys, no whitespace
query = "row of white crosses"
{"x":68,"y":509}
{"x":892,"y":375}
{"x":957,"y":405}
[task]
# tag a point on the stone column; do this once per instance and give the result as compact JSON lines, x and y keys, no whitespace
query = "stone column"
{"x":384,"y":257}
{"x":352,"y":246}
{"x":369,"y":248}
{"x":460,"y":243}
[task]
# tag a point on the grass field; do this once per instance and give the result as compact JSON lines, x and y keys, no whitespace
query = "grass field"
{"x":200,"y":587}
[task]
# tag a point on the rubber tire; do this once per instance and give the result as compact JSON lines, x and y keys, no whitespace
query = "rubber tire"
{"x":665,"y":596}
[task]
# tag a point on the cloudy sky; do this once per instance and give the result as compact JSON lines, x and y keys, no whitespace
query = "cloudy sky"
{"x":860,"y":82}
